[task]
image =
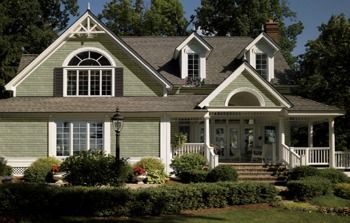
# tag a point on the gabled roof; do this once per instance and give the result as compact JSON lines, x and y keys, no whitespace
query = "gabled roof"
{"x":87,"y":24}
{"x":251,"y":71}
{"x":265,"y":37}
{"x":193,"y":36}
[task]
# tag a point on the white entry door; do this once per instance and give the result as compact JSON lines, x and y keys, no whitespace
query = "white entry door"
{"x":227,"y":141}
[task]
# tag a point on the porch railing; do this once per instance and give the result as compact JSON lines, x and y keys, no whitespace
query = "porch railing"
{"x":189,"y":148}
{"x":313,"y":155}
{"x":290,"y":157}
{"x":342,"y":160}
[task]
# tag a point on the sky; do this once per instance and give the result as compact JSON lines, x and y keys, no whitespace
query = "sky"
{"x":312,"y":13}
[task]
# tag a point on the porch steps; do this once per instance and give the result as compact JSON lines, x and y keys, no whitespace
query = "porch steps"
{"x":258,"y":172}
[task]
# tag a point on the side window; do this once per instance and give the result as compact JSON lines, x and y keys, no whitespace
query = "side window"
{"x":261,"y":64}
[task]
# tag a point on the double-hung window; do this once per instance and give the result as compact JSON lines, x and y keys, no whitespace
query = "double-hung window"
{"x":74,"y":137}
{"x":193,"y":66}
{"x":89,"y":74}
{"x":261,"y":64}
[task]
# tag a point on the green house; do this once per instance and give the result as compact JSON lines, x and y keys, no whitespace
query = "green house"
{"x":230,"y":96}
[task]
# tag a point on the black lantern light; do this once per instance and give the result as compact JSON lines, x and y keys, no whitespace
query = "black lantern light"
{"x":118,"y":121}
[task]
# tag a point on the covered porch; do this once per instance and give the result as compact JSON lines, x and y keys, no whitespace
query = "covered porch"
{"x":258,"y":136}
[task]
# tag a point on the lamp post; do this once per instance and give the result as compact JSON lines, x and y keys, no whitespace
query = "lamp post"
{"x":117,"y":121}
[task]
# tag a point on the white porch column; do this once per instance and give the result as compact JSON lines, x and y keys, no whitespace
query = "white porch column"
{"x":165,"y":142}
{"x":310,"y":134}
{"x":52,"y":138}
{"x":282,"y":139}
{"x":206,"y":129}
{"x":331,"y":142}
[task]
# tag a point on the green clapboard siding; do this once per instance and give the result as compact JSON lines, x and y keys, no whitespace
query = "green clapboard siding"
{"x":137,"y":82}
{"x":139,"y":138}
{"x":244,"y":80}
{"x":21,"y":138}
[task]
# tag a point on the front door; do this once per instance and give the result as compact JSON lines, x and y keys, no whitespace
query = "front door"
{"x":227,"y":141}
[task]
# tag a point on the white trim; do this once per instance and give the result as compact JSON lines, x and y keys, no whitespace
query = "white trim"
{"x":258,"y":38}
{"x":52,"y":138}
{"x":61,"y":40}
{"x":246,"y":109}
{"x":83,"y":49}
{"x":186,"y":41}
{"x":233,"y":76}
{"x":20,"y":161}
{"x":311,"y":114}
{"x":245,"y":89}
{"x":107,"y":137}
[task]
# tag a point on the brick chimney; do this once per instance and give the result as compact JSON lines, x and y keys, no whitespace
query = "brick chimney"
{"x":272,"y":29}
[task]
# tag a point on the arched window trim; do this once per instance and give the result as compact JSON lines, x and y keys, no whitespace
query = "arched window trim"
{"x":245,"y":89}
{"x":89,"y":70}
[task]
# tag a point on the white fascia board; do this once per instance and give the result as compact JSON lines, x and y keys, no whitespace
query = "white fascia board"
{"x":185,"y":43}
{"x":55,"y":45}
{"x":318,"y":114}
{"x":39,"y":59}
{"x":259,"y":109}
{"x":258,"y":38}
{"x":233,"y":76}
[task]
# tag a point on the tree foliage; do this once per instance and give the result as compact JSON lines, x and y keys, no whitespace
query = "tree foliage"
{"x":129,"y":17}
{"x":325,"y":69}
{"x":246,"y":18}
{"x":29,"y":26}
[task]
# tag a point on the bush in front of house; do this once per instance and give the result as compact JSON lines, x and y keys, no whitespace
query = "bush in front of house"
{"x":193,"y":176}
{"x":39,"y":200}
{"x":93,"y":168}
{"x":5,"y":170}
{"x":334,"y":175}
{"x":154,"y":168}
{"x":222,"y":173}
{"x":309,"y":187}
{"x":40,"y":170}
{"x":302,"y":171}
{"x":188,"y":162}
{"x":342,"y":190}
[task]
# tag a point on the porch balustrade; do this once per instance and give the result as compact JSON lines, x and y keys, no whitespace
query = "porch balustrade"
{"x":290,"y":157}
{"x":313,"y":155}
{"x":342,"y":160}
{"x":189,"y":148}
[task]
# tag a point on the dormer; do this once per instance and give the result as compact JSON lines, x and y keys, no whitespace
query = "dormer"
{"x":260,"y":54}
{"x":192,"y":54}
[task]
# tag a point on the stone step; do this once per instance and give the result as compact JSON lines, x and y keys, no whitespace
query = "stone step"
{"x":255,"y":173}
{"x":256,"y":177}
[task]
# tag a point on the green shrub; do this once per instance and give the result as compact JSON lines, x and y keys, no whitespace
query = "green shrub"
{"x":309,"y":187}
{"x":342,"y":190}
{"x":334,"y":175}
{"x":40,"y":170}
{"x":93,"y":168}
{"x":34,"y":199}
{"x":154,"y":168}
{"x":5,"y":170}
{"x":188,"y":162}
{"x":222,"y":173}
{"x":302,"y":171}
{"x":193,"y":176}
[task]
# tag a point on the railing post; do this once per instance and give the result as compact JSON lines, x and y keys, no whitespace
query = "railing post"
{"x":307,"y":152}
{"x":207,"y":135}
{"x":281,"y":136}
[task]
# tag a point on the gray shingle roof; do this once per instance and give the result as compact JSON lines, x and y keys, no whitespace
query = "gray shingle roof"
{"x":304,"y":104}
{"x":25,"y":60}
{"x":175,"y":103}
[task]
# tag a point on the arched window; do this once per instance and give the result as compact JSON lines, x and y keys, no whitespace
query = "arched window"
{"x":89,"y":73}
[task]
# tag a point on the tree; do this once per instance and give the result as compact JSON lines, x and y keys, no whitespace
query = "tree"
{"x":29,"y":26}
{"x":129,"y":17}
{"x":123,"y":17}
{"x":325,"y":70}
{"x":246,"y":18}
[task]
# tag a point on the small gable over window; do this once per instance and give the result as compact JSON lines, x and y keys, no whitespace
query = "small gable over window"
{"x":192,"y":54}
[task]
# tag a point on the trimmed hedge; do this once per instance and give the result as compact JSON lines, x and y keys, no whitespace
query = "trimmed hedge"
{"x":342,"y":190}
{"x":334,"y":175}
{"x":193,"y":176}
{"x":37,"y":199}
{"x":309,"y":187}
{"x":302,"y":171}
{"x":188,"y":162}
{"x":222,"y":173}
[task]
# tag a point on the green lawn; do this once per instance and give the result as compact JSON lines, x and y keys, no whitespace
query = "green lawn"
{"x":272,"y":215}
{"x":330,"y":201}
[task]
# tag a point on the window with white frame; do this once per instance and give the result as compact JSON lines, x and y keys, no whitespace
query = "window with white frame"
{"x":193,"y":66}
{"x":261,"y":64}
{"x":89,"y":74}
{"x":74,"y":137}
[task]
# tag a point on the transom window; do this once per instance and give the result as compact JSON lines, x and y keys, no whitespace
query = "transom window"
{"x":261,"y":64}
{"x":89,"y":74}
{"x":74,"y":137}
{"x":193,"y":66}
